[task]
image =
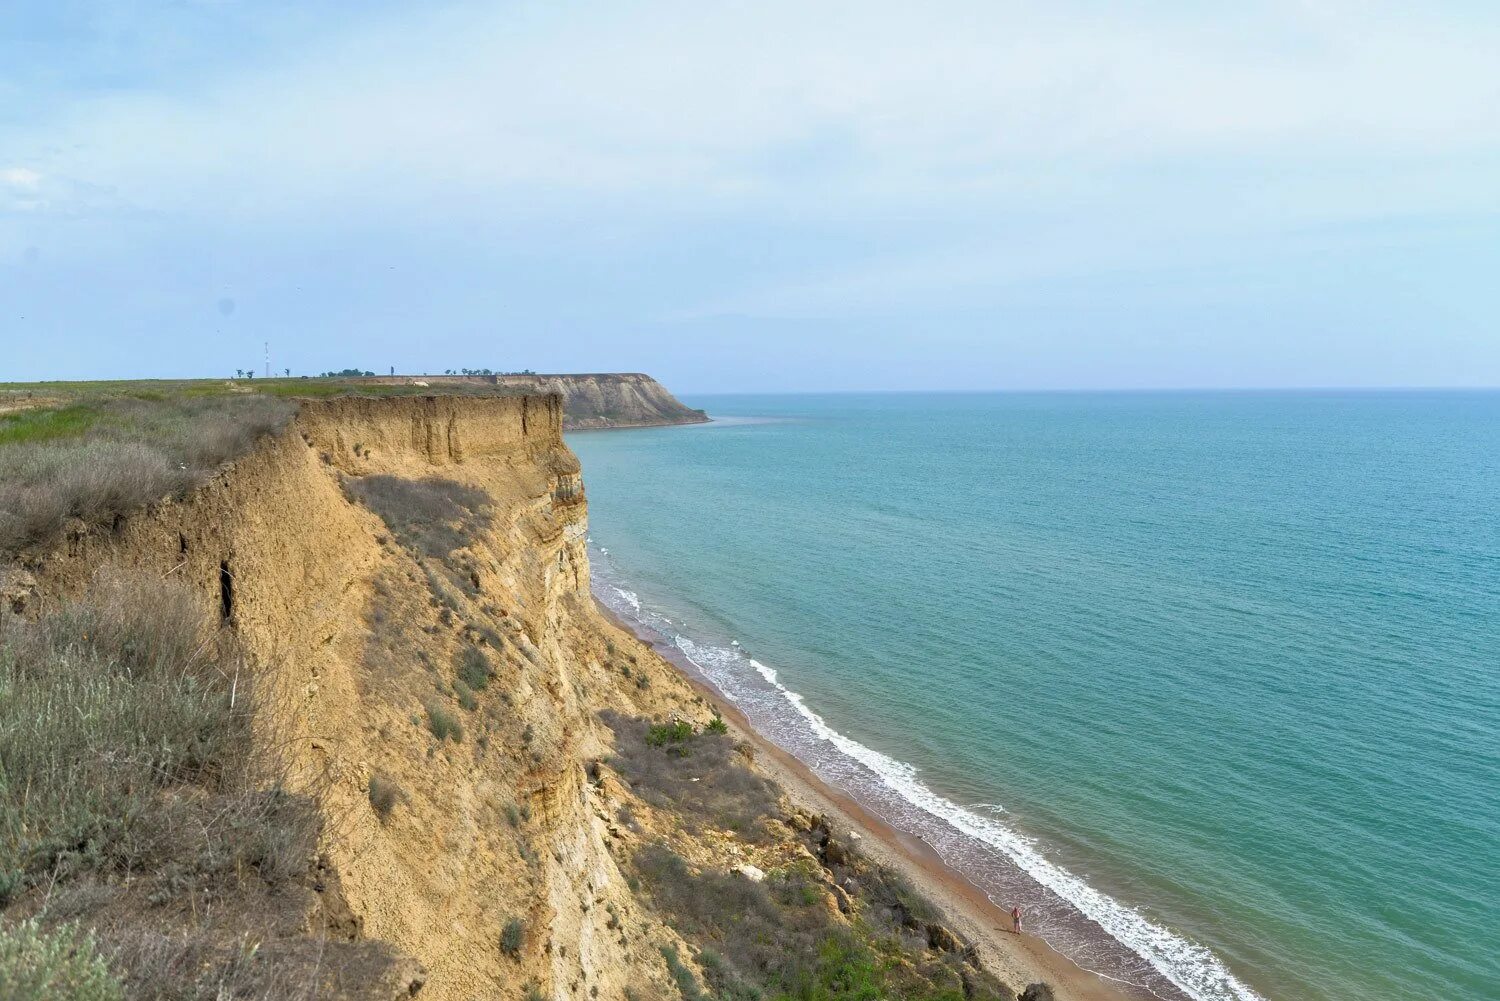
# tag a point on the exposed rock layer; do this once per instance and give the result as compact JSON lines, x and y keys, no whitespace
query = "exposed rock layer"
{"x":592,"y":400}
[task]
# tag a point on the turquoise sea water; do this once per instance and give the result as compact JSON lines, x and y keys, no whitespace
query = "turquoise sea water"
{"x":1221,"y":672}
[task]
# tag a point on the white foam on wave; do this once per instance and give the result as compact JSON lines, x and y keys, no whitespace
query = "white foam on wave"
{"x":629,"y":597}
{"x":1190,"y":966}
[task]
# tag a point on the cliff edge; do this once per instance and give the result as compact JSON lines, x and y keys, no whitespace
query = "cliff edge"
{"x":590,"y":400}
{"x":385,"y":607}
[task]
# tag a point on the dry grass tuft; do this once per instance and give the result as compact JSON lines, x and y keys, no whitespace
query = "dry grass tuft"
{"x":99,"y":460}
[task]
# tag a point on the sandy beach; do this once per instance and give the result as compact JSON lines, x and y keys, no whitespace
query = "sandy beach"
{"x":1017,"y":959}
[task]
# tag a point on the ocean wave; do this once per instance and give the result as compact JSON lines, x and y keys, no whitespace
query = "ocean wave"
{"x":1191,"y":967}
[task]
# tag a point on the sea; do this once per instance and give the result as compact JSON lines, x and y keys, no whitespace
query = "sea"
{"x":1207,"y":682}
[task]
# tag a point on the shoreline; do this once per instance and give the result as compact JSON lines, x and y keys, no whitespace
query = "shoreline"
{"x":1018,"y":960}
{"x":636,"y":427}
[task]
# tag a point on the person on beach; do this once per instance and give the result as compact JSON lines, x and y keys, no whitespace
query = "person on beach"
{"x":1015,"y":917}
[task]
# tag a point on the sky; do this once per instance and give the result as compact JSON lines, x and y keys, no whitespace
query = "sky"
{"x":768,"y":196}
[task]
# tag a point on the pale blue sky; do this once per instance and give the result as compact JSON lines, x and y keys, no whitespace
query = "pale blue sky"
{"x":756,"y":196}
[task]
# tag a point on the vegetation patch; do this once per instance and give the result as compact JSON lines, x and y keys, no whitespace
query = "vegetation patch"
{"x":107,"y":706}
{"x":132,"y":799}
{"x":769,"y":942}
{"x":671,"y":734}
{"x":474,"y":668}
{"x":99,"y":459}
{"x":62,"y":964}
{"x":442,"y":723}
{"x":713,"y":785}
{"x":384,"y":795}
{"x":433,"y":516}
{"x":513,"y":937}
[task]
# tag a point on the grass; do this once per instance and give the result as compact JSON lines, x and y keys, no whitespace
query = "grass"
{"x":101,"y":458}
{"x":61,"y":964}
{"x":134,"y":797}
{"x":513,"y":937}
{"x":434,"y":516}
{"x":712,"y":786}
{"x":384,"y":795}
{"x":474,"y":668}
{"x":27,"y":426}
{"x":442,"y":723}
{"x":106,"y":705}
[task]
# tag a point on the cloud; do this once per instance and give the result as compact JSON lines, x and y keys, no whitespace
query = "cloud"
{"x":21,"y":178}
{"x":949,"y":103}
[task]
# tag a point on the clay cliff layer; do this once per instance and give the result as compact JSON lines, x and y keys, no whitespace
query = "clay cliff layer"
{"x":590,"y":400}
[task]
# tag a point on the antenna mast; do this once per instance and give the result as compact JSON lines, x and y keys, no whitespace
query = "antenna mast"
{"x":268,"y":359}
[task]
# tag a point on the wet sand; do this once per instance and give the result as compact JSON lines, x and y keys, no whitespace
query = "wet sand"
{"x":1016,"y":959}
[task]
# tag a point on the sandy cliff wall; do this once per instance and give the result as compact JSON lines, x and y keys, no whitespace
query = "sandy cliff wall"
{"x":358,"y":635}
{"x":592,"y":400}
{"x":410,"y":577}
{"x":612,"y":400}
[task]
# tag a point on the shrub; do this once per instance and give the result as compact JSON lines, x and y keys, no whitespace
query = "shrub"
{"x":442,"y":723}
{"x":765,"y":944}
{"x":384,"y":795}
{"x":107,"y":703}
{"x":433,"y":516}
{"x":58,"y":965}
{"x":663,"y":734}
{"x":513,"y":937}
{"x":474,"y":668}
{"x":717,"y":726}
{"x":714,"y":786}
{"x":683,"y":977}
{"x":465,"y":696}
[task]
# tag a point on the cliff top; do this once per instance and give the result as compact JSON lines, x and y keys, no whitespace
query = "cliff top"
{"x":92,"y":451}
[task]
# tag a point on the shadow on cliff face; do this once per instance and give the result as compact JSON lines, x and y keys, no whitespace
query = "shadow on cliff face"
{"x":433,"y":516}
{"x":136,"y":803}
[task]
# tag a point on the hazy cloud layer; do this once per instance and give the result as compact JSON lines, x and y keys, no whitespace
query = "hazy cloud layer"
{"x":691,"y":173}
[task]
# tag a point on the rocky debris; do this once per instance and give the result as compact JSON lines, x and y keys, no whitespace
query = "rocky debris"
{"x":750,"y":872}
{"x":1036,"y":992}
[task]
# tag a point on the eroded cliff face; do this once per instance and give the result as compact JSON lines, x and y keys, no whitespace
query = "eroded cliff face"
{"x":409,"y":576}
{"x":590,"y":401}
{"x":358,"y":635}
{"x":626,"y":399}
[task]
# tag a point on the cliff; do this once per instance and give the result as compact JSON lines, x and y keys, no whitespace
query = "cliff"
{"x":598,"y":400}
{"x":514,"y":798}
